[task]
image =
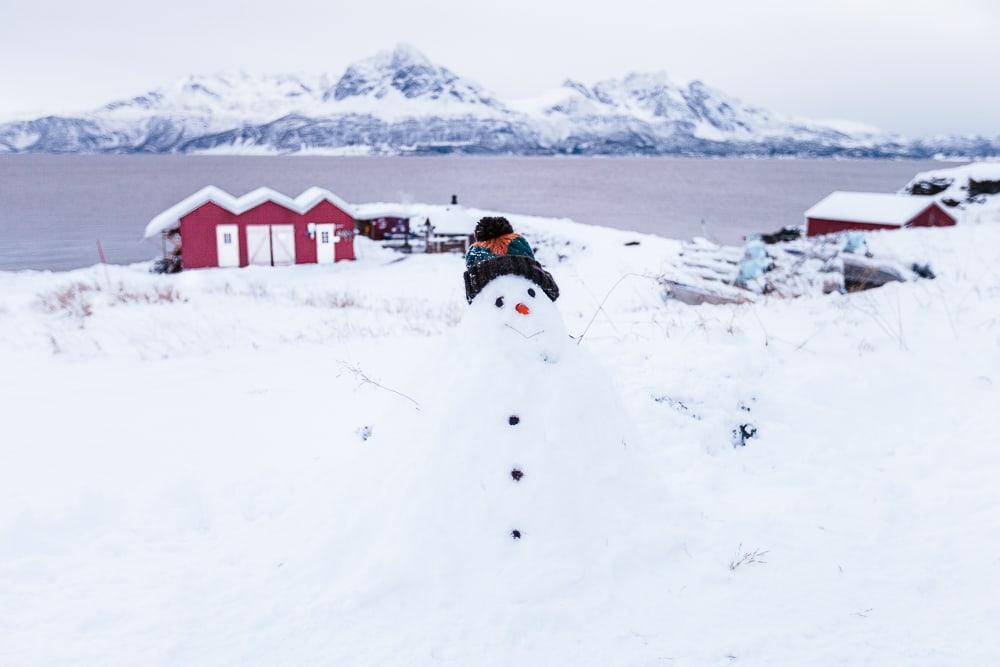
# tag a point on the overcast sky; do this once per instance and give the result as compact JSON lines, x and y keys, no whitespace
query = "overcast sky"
{"x":915,"y":66}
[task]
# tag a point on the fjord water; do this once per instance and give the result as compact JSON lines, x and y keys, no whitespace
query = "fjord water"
{"x":54,"y":208}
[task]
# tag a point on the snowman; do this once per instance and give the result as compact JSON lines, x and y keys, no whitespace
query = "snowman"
{"x":513,"y":507}
{"x":522,"y":471}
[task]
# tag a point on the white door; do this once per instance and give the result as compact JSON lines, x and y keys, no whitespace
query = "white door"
{"x":325,"y":238}
{"x":259,"y":245}
{"x":227,"y":243}
{"x":283,"y":244}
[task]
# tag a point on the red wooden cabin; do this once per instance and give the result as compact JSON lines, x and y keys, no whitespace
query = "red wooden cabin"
{"x":262,"y":227}
{"x":865,"y":211}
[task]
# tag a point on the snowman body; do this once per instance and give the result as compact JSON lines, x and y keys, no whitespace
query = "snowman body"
{"x":525,"y":478}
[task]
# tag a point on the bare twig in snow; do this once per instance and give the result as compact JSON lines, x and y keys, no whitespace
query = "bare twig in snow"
{"x":947,"y":310}
{"x":767,"y":337}
{"x":364,"y":379}
{"x":874,"y":309}
{"x":600,"y":306}
{"x":802,"y":345}
{"x":747,"y":557}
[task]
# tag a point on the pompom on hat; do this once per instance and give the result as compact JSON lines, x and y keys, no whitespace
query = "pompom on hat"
{"x":500,"y":251}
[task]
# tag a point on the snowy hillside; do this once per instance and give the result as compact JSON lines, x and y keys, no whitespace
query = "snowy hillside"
{"x":399,"y":102}
{"x":215,"y":467}
{"x":972,"y":191}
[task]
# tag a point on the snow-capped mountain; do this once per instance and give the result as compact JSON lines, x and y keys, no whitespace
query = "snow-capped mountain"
{"x":404,"y":83}
{"x":399,"y":102}
{"x":688,"y":116}
{"x":220,"y":99}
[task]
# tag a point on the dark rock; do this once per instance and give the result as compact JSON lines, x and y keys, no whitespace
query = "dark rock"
{"x":977,"y":188}
{"x":166,"y":265}
{"x":516,"y":534}
{"x":516,"y":474}
{"x":743,"y":433}
{"x":931,"y":186}
{"x":782,"y":235}
{"x":513,"y":420}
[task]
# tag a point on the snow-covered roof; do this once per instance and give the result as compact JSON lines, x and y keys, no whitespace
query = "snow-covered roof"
{"x":372,"y":211}
{"x":871,"y":207}
{"x":448,"y":219}
{"x":170,"y":219}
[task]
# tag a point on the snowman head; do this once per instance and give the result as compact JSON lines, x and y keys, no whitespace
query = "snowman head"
{"x":511,"y":295}
{"x":513,"y":314}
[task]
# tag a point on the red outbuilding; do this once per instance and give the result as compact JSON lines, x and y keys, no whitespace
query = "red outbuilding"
{"x":866,"y":211}
{"x":262,"y":227}
{"x":381,"y":222}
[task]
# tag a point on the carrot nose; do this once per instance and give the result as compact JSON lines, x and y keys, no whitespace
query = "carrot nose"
{"x":523,"y":309}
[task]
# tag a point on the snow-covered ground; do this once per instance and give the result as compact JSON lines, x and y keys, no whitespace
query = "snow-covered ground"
{"x":185,"y":477}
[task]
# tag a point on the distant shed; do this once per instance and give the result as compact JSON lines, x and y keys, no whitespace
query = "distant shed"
{"x":866,"y":211}
{"x":380,"y":222}
{"x":448,"y":229}
{"x":417,"y":227}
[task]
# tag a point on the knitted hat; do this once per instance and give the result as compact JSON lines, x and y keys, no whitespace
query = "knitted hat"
{"x":498,"y":251}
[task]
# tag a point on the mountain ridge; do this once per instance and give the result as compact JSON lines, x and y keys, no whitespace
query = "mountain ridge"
{"x":400,"y":102}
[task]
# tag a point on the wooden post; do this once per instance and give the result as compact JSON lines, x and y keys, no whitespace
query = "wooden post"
{"x":104,"y":263}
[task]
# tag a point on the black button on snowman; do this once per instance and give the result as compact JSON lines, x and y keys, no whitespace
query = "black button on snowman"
{"x":503,"y":274}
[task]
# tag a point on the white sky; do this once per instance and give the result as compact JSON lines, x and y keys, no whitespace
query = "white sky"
{"x":912,"y":66}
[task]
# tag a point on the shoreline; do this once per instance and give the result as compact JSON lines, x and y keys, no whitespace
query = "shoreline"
{"x":58,"y":206}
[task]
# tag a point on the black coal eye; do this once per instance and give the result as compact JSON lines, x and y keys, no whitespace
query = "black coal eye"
{"x":499,"y":302}
{"x":531,"y":292}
